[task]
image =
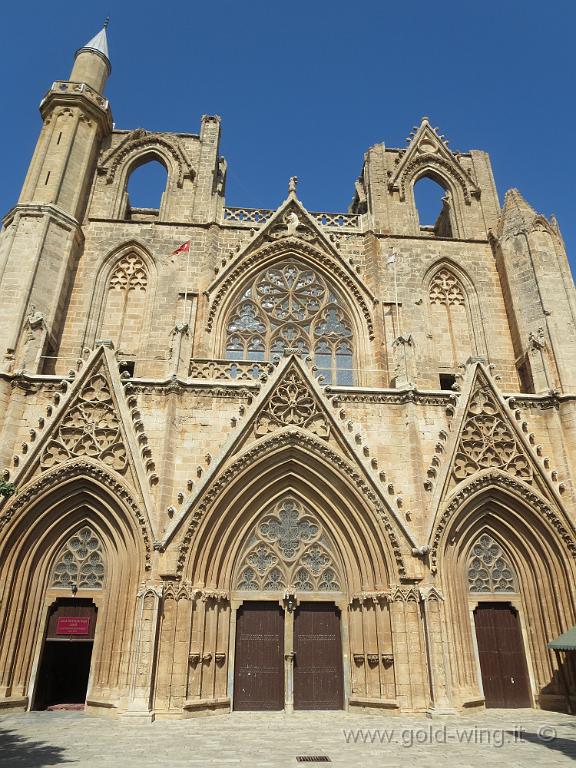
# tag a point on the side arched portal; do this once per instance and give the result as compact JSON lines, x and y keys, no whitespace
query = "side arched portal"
{"x":505,"y":572}
{"x":70,"y":544}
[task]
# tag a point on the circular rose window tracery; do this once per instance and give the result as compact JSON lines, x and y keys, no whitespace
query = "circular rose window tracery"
{"x":290,"y":307}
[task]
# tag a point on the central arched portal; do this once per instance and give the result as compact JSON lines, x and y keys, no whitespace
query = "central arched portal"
{"x":288,"y":593}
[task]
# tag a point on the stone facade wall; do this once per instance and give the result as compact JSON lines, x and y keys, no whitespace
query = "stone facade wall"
{"x":118,"y":410}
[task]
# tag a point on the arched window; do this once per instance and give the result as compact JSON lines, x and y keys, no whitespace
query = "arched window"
{"x":432,"y":203}
{"x":489,"y":569}
{"x":80,"y":562}
{"x":125,"y":304}
{"x":449,"y":321}
{"x":145,"y":188}
{"x":291,"y":308}
{"x":288,"y":548}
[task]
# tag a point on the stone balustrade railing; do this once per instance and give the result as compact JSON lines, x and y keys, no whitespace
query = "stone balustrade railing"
{"x":249,"y":217}
{"x":67,"y":86}
{"x":230,"y":370}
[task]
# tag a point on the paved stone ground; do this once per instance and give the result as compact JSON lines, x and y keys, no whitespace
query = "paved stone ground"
{"x":511,"y":738}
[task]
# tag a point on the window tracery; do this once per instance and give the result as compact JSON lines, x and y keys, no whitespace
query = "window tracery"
{"x":80,"y":562}
{"x":489,"y":570}
{"x":290,"y":307}
{"x":288,"y":549}
{"x":125,"y":303}
{"x":453,"y":340}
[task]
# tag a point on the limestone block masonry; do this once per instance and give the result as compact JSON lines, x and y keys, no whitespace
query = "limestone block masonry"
{"x":353,"y":426}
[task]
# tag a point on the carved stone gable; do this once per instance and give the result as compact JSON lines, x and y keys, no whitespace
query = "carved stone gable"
{"x":292,"y":223}
{"x":292,"y":404}
{"x":487,"y":441}
{"x":90,"y":427}
{"x":428,"y":151}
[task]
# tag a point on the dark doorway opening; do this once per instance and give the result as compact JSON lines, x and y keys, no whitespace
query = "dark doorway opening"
{"x":259,"y":658}
{"x":502,"y":658}
{"x":318,"y":673}
{"x":66,"y":655}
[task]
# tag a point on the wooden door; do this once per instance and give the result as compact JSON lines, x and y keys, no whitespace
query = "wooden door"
{"x":259,"y":658}
{"x":318,"y":678}
{"x":502,"y":657}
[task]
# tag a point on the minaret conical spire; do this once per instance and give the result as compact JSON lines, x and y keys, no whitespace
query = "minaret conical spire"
{"x":92,"y":61}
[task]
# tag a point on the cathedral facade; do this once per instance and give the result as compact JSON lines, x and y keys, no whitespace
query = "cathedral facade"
{"x":278,"y":459}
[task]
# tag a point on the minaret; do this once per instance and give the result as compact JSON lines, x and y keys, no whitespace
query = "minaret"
{"x":540,"y":296}
{"x":42,"y":235}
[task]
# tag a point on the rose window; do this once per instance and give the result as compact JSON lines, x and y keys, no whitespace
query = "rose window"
{"x":289,"y":308}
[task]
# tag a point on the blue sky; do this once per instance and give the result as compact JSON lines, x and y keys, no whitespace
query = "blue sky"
{"x":305,"y":88}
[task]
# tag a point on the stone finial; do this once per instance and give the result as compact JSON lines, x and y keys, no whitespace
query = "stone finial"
{"x":292,"y":184}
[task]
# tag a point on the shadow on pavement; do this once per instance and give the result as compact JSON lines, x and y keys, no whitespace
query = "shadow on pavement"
{"x":17,"y":750}
{"x":556,"y":743}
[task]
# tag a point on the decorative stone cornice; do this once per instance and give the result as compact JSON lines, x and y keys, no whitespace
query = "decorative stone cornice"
{"x":390,"y":397}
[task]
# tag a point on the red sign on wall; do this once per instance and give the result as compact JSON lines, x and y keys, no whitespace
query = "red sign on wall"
{"x":73,"y":625}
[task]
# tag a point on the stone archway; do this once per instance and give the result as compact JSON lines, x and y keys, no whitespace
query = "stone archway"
{"x":41,"y":523}
{"x":541,"y":574}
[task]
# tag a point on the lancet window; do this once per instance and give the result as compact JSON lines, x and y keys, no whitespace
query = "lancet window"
{"x":290,"y":308}
{"x":125,"y":304}
{"x":449,"y":320}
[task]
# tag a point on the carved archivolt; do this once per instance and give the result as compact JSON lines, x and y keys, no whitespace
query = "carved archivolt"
{"x":139,"y":142}
{"x":497,"y":479}
{"x":488,"y":567}
{"x":292,"y":404}
{"x":431,"y":162}
{"x":316,"y":256}
{"x":308,"y":443}
{"x":90,"y":427}
{"x":80,"y":562}
{"x":487,"y":441}
{"x":79,"y":469}
{"x":446,"y":289}
{"x":288,"y":550}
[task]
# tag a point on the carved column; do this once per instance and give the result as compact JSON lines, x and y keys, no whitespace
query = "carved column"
{"x":145,"y":645}
{"x":409,"y":650}
{"x":432,"y":604}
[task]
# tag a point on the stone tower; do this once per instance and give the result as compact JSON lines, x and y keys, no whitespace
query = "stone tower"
{"x":334,"y":448}
{"x":44,"y":230}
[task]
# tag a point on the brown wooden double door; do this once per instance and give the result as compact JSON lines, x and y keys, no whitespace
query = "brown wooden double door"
{"x":502,"y":658}
{"x":260,"y":666}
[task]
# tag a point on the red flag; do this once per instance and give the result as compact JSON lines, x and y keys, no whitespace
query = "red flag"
{"x":184,"y":248}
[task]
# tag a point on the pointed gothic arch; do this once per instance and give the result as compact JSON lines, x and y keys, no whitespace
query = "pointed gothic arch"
{"x":371,"y":548}
{"x":333,"y":332}
{"x":39,"y":523}
{"x":455,"y":319}
{"x":539,"y":584}
{"x":123,"y":300}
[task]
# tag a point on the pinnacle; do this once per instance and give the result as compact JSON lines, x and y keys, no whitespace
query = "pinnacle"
{"x":516,"y":212}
